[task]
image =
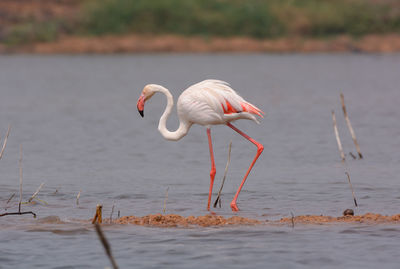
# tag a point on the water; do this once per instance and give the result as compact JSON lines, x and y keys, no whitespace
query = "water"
{"x":76,"y":119}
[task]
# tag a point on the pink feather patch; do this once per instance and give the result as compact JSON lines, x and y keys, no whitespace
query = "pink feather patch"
{"x":247,"y":107}
{"x":229,"y":108}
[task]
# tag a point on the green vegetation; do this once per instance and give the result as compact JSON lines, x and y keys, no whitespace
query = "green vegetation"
{"x":31,"y":32}
{"x":255,"y":18}
{"x":187,"y":17}
{"x":333,"y":17}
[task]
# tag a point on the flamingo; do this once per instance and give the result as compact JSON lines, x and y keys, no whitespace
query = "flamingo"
{"x":209,"y":102}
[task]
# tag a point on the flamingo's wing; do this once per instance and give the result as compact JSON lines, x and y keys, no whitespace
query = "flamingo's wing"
{"x":220,"y":95}
{"x":214,"y":102}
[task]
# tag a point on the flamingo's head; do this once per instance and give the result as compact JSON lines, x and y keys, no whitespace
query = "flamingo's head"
{"x":147,"y":93}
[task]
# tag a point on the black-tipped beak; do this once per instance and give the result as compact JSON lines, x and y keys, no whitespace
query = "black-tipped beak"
{"x":140,"y":104}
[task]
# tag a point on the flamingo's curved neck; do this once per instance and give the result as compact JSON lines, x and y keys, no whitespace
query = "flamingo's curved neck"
{"x":184,"y":126}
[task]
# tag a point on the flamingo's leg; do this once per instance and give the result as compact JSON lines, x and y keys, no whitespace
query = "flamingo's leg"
{"x":260,"y":149}
{"x":213,"y":170}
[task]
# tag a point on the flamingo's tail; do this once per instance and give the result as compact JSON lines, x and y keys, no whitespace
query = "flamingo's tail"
{"x":247,"y":107}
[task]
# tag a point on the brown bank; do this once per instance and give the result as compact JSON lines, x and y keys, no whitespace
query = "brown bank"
{"x":172,"y":220}
{"x":171,"y":43}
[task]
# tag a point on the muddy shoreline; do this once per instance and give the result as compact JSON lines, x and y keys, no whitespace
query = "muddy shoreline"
{"x":172,"y":220}
{"x":133,"y":43}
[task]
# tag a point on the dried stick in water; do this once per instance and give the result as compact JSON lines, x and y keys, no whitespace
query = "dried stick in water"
{"x":352,"y":155}
{"x":223,"y":179}
{"x":112,"y":212}
{"x":20,"y":178}
{"x":8,"y":201}
{"x":342,"y":155}
{"x":77,"y":197}
{"x":20,"y":192}
{"x":106,"y":245}
{"x":18,"y":213}
{"x":97,"y":217}
{"x":5,"y":142}
{"x":353,"y":135}
{"x":165,"y":200}
{"x":36,"y":193}
{"x":351,"y":187}
{"x":337,"y":136}
{"x":291,"y":213}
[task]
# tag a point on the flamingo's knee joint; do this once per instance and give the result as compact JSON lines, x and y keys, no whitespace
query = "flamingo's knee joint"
{"x":213,"y":172}
{"x":260,"y":149}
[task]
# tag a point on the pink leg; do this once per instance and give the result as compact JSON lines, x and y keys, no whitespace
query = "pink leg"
{"x":260,"y":149}
{"x":213,"y":170}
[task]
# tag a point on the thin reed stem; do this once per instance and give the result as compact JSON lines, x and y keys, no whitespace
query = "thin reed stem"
{"x":98,"y":216}
{"x":351,"y":187}
{"x":337,"y":137}
{"x":165,"y":200}
{"x":353,"y":135}
{"x":20,"y":178}
{"x":106,"y":245}
{"x":223,"y":179}
{"x":112,"y":212}
{"x":36,"y":193}
{"x":342,"y":156}
{"x":77,"y":197}
{"x":5,"y":142}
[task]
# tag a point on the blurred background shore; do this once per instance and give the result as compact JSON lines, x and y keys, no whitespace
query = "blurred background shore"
{"x":115,"y":26}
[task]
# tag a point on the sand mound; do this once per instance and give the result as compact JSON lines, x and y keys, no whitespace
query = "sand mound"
{"x":172,"y":220}
{"x":369,"y":218}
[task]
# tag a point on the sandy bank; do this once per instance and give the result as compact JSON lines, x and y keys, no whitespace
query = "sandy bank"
{"x":368,"y":218}
{"x":170,"y":43}
{"x":173,"y":220}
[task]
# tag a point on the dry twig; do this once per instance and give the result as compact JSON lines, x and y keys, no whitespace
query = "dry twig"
{"x":20,"y":192}
{"x":77,"y":197}
{"x":18,"y":213}
{"x":342,"y":156}
{"x":20,"y":178}
{"x":97,"y":217}
{"x":292,"y":219}
{"x":8,"y":201}
{"x":5,"y":142}
{"x":223,"y":179}
{"x":165,"y":200}
{"x":36,"y":193}
{"x":112,"y":212}
{"x":337,"y":136}
{"x":106,"y":245}
{"x":351,"y":187}
{"x":353,"y":135}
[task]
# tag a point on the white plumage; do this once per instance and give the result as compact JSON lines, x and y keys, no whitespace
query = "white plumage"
{"x":208,"y":102}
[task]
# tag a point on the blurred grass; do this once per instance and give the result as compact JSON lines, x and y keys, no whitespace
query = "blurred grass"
{"x":29,"y":32}
{"x":334,"y":17}
{"x":187,"y":17}
{"x":252,"y":18}
{"x":255,"y":18}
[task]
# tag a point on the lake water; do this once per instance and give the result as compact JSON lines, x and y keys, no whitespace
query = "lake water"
{"x":77,"y":121}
